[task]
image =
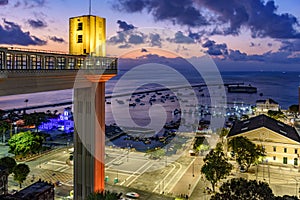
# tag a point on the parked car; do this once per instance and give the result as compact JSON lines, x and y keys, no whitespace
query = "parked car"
{"x":132,"y":195}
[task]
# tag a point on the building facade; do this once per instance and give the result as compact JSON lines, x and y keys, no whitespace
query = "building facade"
{"x":39,"y":190}
{"x":87,"y":35}
{"x":280,"y":141}
{"x":263,"y":106}
{"x":64,"y":122}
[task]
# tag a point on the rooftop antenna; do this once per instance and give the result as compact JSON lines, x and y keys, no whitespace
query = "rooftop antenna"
{"x":90,"y":7}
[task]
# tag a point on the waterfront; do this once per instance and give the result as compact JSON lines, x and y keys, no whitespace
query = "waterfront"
{"x":282,"y":87}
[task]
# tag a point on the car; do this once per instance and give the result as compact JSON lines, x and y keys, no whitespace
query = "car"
{"x":242,"y":169}
{"x":132,"y":195}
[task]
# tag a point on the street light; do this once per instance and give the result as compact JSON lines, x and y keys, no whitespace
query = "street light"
{"x":26,"y":101}
{"x":193,"y":168}
{"x":127,"y":151}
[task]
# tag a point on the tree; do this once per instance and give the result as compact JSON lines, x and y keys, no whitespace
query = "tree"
{"x":105,"y":195}
{"x":8,"y":162}
{"x":4,"y":126}
{"x":286,"y":197}
{"x":294,"y":108}
{"x":216,"y":166}
{"x":223,"y":132}
{"x":21,"y":172}
{"x":156,"y":154}
{"x":36,"y":119}
{"x":276,"y":114}
{"x":240,"y":188}
{"x":246,"y":152}
{"x":2,"y":113}
{"x":25,"y":143}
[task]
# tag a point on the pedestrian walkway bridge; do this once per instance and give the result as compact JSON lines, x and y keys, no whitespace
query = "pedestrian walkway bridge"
{"x":27,"y":71}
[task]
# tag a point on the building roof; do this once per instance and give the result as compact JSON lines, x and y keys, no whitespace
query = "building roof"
{"x":31,"y":191}
{"x":267,"y":122}
{"x":271,"y":101}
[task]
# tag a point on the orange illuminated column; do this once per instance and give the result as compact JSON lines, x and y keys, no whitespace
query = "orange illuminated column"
{"x":99,"y":165}
{"x":99,"y":135}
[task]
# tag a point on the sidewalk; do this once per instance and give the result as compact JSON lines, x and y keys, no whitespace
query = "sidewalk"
{"x":190,"y":179}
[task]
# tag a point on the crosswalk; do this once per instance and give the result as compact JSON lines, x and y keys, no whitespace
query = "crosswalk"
{"x":55,"y":165}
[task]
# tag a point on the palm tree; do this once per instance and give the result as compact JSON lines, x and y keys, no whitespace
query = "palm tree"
{"x":26,"y":101}
{"x":4,"y":126}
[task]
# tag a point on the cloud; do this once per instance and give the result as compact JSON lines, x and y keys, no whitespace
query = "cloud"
{"x":34,"y":3}
{"x":124,"y":46}
{"x":236,"y":55}
{"x":215,"y":49}
{"x":290,"y":45}
{"x":37,"y":23}
{"x":252,"y":44}
{"x":144,"y":50}
{"x":3,"y":2}
{"x":17,"y":4}
{"x":124,"y":26}
{"x":228,"y":16}
{"x":57,"y":39}
{"x":261,"y":18}
{"x":11,"y":33}
{"x":117,"y":39}
{"x":180,"y":12}
{"x":195,"y":36}
{"x":155,"y":39}
{"x":136,"y":39}
{"x":127,"y":38}
{"x":283,"y":57}
{"x":180,"y":38}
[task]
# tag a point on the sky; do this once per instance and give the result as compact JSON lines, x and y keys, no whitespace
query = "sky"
{"x":237,"y":34}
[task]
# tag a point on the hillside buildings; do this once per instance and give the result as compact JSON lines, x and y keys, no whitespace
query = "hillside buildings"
{"x":263,"y":106}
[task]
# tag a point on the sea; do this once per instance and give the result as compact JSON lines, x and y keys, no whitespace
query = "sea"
{"x":280,"y":86}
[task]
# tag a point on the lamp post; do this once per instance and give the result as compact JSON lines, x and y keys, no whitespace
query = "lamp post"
{"x":26,"y":101}
{"x":127,"y":151}
{"x":193,"y":168}
{"x":11,"y":127}
{"x":166,"y":155}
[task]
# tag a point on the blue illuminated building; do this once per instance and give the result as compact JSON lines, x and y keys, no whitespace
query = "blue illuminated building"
{"x":64,"y":122}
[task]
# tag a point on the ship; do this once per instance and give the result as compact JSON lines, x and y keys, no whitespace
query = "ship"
{"x":241,"y":89}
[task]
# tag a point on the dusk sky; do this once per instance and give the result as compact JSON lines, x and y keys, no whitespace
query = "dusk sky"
{"x":238,"y":34}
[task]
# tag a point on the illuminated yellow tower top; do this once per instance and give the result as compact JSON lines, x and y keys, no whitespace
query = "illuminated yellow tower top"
{"x":87,"y":35}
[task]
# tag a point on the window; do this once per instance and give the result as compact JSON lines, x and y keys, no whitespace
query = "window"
{"x":274,"y":157}
{"x":284,"y":160}
{"x":79,"y":27}
{"x":296,"y":151}
{"x":79,"y":39}
{"x":285,"y":150}
{"x":295,"y":161}
{"x":274,"y":149}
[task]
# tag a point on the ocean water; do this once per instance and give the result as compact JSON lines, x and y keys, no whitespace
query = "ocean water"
{"x":280,"y":86}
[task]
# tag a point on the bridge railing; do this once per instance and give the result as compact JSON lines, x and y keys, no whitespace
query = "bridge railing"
{"x":19,"y":59}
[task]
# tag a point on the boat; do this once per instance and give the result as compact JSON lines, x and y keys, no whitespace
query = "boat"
{"x":241,"y":89}
{"x":120,"y":101}
{"x":132,"y":104}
